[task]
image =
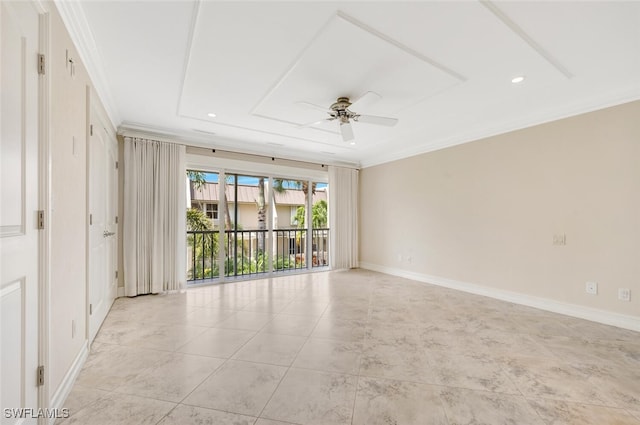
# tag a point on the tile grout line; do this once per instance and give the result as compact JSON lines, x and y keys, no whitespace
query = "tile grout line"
{"x":230,"y":358}
{"x":292,"y":362}
{"x":174,"y":351}
{"x":305,"y":294}
{"x":224,"y":363}
{"x":364,"y":345}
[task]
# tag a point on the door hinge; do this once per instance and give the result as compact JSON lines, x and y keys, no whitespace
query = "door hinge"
{"x":90,"y":219}
{"x":40,"y":219}
{"x":116,"y":219}
{"x":116,"y":165}
{"x":91,"y":130}
{"x":116,"y":274}
{"x":90,"y":309}
{"x":41,"y":64}
{"x":40,"y":376}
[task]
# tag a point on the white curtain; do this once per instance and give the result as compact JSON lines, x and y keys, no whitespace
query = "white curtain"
{"x":343,"y":217}
{"x":154,"y":217}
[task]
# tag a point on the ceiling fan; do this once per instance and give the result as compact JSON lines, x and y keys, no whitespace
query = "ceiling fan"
{"x":341,"y":111}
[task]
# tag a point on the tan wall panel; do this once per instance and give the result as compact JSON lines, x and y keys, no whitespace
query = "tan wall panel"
{"x":68,"y":139}
{"x":68,"y":192}
{"x":284,"y":216}
{"x":486,"y":212}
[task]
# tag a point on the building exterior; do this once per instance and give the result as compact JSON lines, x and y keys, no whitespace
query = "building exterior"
{"x":289,"y":239}
{"x":286,"y":204}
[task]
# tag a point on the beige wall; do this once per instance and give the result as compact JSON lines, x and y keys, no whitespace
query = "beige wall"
{"x":68,"y":193}
{"x":486,"y":212}
{"x":284,"y":217}
{"x":68,"y":139}
{"x":248,"y":216}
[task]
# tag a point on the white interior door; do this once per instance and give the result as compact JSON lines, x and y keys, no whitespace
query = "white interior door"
{"x":103,"y":180}
{"x":18,"y":211}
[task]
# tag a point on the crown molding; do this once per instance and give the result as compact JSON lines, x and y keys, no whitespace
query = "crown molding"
{"x":130,"y":129}
{"x":593,"y":104}
{"x":75,"y":21}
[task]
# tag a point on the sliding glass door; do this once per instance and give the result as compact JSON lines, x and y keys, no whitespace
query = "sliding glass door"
{"x":289,"y":229}
{"x":203,"y":226}
{"x":320,"y":225}
{"x":246,"y":232}
{"x":242,"y":225}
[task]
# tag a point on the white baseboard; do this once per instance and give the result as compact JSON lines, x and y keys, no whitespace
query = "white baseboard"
{"x":120,"y":293}
{"x":61,"y":394}
{"x":573,"y":310}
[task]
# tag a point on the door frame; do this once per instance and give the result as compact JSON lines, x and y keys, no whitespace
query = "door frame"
{"x":94,"y":110}
{"x":270,"y":175}
{"x":44,"y":203}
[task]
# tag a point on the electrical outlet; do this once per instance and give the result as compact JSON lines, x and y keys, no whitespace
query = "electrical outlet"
{"x":560,"y":239}
{"x":591,"y":288}
{"x":624,"y":294}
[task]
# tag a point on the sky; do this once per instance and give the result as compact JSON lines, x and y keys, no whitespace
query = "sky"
{"x":252,"y":181}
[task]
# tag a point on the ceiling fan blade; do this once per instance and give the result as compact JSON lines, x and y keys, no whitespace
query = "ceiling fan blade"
{"x":314,"y":106}
{"x":347,"y":131}
{"x":311,"y":124}
{"x":364,"y":101}
{"x":372,"y":119}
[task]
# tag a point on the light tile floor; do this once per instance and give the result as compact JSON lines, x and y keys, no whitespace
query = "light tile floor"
{"x":351,"y":347}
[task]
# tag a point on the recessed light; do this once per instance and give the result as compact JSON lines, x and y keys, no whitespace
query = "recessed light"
{"x":518,"y":79}
{"x":211,"y":114}
{"x":352,"y":143}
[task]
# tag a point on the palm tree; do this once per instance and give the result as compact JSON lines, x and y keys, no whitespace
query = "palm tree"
{"x":262,"y":214}
{"x":261,"y":203}
{"x":278,"y":186}
{"x":198,"y":181}
{"x":318,"y":215}
{"x":202,"y":244}
{"x":197,"y":178}
{"x":227,"y":216}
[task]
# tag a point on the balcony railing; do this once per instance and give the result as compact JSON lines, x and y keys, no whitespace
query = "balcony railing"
{"x":246,"y":252}
{"x":248,"y":249}
{"x":320,"y":247}
{"x":202,"y":248}
{"x":289,"y":249}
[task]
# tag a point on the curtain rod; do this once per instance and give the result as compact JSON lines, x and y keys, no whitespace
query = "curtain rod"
{"x":194,"y":148}
{"x":265,"y":158}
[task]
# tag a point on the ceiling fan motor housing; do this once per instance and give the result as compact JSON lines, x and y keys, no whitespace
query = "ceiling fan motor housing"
{"x":340,"y":110}
{"x":341,"y":104}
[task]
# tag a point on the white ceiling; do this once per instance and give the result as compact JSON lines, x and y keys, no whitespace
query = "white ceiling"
{"x":444,"y":69}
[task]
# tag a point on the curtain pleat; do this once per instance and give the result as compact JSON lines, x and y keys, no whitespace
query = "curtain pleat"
{"x":154,"y":217}
{"x":343,"y":218}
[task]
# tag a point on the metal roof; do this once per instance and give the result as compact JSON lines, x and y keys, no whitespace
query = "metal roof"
{"x":249,"y":194}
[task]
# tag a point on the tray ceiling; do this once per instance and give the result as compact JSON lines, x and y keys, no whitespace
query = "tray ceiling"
{"x":444,"y":69}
